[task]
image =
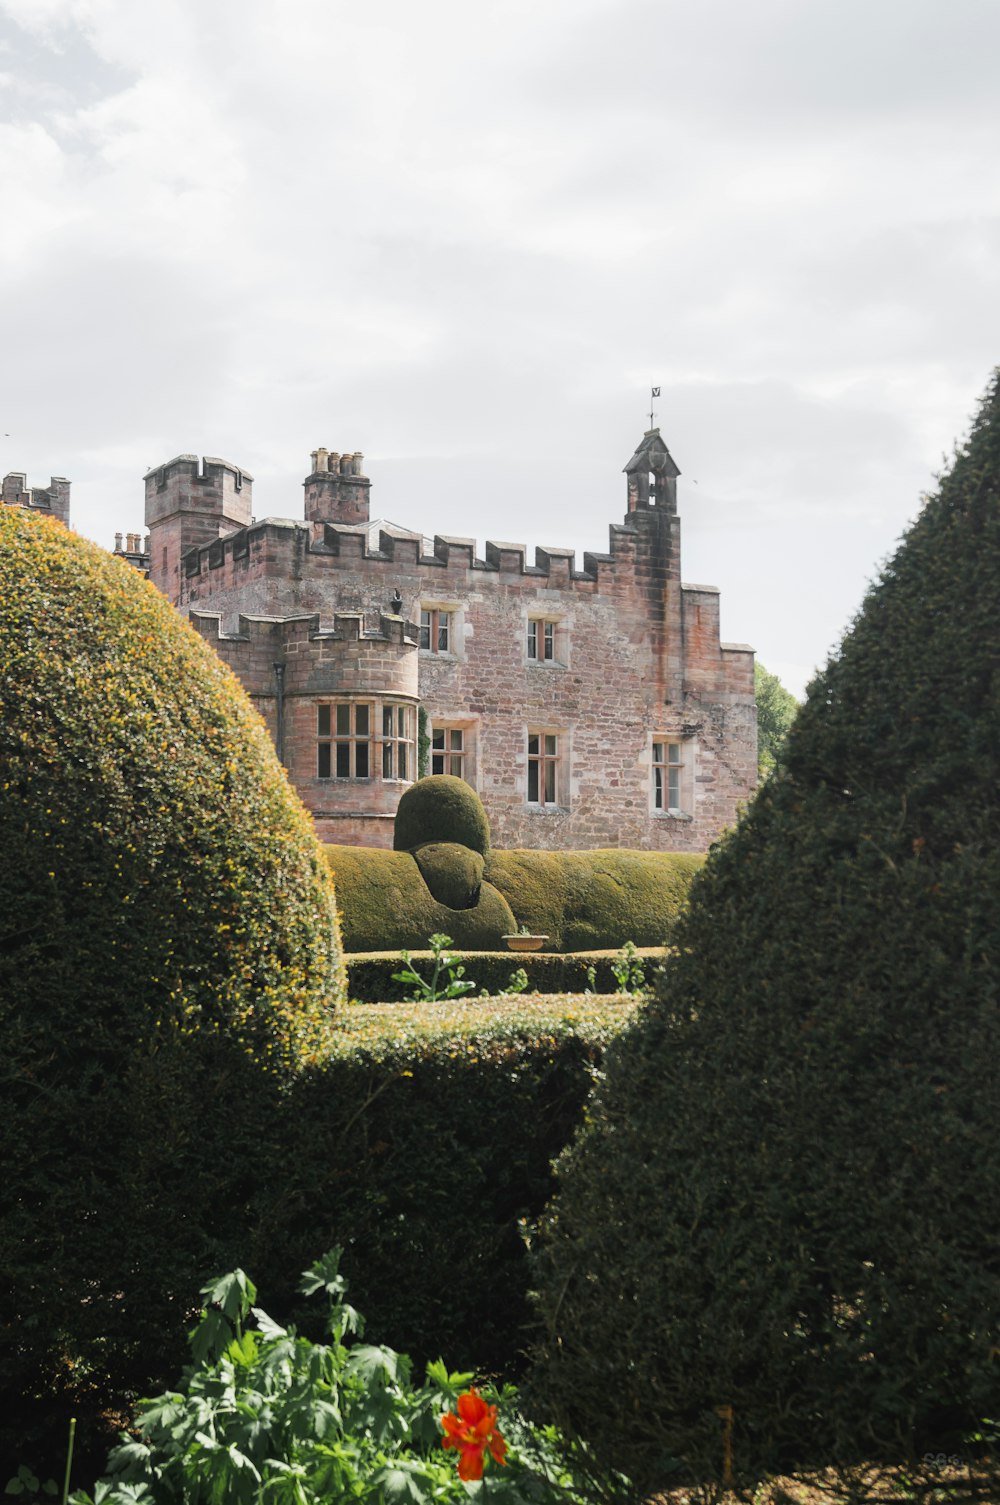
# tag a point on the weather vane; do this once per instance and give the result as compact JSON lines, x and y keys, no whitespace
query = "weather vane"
{"x":653,"y":392}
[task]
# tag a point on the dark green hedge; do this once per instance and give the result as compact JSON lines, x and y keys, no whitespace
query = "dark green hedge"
{"x":370,"y":976}
{"x":787,"y":1199}
{"x":583,"y":901}
{"x":384,"y":901}
{"x":168,"y":953}
{"x":420,"y":1146}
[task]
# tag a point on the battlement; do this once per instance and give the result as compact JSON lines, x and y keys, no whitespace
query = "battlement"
{"x":52,"y":499}
{"x":207,"y":485}
{"x":647,"y":545}
{"x":346,"y":627}
{"x":304,"y":656}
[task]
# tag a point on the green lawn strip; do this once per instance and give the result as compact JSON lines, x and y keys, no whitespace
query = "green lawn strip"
{"x":597,"y":1017}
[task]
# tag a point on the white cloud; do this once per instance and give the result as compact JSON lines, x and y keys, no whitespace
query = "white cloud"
{"x":466,"y":239}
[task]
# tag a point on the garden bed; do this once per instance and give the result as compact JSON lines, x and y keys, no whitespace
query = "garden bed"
{"x":370,"y":973}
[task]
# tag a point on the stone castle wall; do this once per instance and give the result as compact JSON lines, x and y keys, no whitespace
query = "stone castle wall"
{"x":335,"y":602}
{"x":51,"y":500}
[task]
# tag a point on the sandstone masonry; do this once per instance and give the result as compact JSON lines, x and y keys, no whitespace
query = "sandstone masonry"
{"x":589,"y":707}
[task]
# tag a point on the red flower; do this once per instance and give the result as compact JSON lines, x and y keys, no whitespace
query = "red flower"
{"x":472,"y":1433}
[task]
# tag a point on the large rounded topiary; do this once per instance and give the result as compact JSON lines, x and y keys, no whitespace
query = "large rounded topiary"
{"x":168,"y":953}
{"x":441,"y":808}
{"x":787,"y":1201}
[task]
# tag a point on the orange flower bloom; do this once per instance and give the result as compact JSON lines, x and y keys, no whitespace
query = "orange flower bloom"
{"x":473,"y":1433}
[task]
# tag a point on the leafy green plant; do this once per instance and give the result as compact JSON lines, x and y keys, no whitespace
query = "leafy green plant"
{"x":517,"y":982}
{"x":628,"y":970}
{"x":264,"y":1417}
{"x":25,"y":1482}
{"x":448,"y":986}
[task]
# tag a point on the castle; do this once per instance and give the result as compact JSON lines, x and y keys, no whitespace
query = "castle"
{"x":589,"y":707}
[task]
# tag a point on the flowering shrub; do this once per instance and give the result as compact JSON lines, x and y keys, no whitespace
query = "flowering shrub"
{"x":266,"y":1416}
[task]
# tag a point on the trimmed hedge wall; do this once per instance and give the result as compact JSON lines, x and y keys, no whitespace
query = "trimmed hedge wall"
{"x":387,"y":903}
{"x":583,"y":901}
{"x":420,"y":1145}
{"x":370,"y":976}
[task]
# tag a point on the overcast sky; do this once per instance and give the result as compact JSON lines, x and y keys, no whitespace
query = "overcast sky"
{"x":467,"y":236}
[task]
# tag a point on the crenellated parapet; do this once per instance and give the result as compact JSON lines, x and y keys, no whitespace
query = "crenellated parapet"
{"x":645,"y":548}
{"x":189,"y":484}
{"x":352,"y":627}
{"x":52,"y":500}
{"x":369,"y":652}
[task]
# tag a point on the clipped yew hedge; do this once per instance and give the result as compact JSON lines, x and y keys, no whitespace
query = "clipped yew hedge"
{"x":787,"y":1198}
{"x":169,"y":958}
{"x":583,"y":901}
{"x":385,"y":902}
{"x":423,"y":1144}
{"x":441,"y":808}
{"x":590,"y":900}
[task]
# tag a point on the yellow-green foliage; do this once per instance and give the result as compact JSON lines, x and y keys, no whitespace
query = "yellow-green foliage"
{"x":586,"y":901}
{"x":452,"y":873}
{"x":385,"y":904}
{"x":150,"y":837}
{"x":168,"y":951}
{"x":441,"y":808}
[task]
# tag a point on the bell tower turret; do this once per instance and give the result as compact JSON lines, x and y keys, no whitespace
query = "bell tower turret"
{"x":652,"y":476}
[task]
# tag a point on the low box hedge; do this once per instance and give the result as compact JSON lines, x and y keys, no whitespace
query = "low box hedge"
{"x":423,"y":1144}
{"x":371,"y":974}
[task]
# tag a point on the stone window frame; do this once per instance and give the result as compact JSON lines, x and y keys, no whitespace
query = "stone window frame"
{"x":446,"y":615}
{"x":546,"y":628}
{"x":550,"y":758}
{"x":671,"y":774}
{"x":351,"y":735}
{"x":399,"y":743}
{"x":465,"y":755}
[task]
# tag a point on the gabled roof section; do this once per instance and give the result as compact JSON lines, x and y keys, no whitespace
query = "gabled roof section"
{"x":652,"y":454}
